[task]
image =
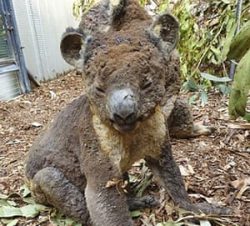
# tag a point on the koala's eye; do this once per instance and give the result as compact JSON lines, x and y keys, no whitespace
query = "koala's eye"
{"x":100,"y":90}
{"x":146,"y":85}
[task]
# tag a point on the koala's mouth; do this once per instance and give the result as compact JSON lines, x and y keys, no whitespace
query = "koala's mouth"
{"x":125,"y":128}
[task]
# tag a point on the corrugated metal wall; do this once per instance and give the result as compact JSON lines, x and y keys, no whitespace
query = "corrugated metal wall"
{"x":40,"y":24}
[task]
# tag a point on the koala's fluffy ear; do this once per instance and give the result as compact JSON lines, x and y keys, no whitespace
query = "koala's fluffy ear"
{"x":73,"y":46}
{"x":164,"y":32}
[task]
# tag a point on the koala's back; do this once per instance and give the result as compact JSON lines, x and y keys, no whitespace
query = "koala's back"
{"x":59,"y":146}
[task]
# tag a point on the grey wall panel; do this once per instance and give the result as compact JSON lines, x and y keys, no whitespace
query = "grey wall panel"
{"x":41,"y":24}
{"x":9,"y":86}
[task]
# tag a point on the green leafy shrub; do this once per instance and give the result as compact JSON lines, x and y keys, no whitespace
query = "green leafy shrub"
{"x":240,"y":50}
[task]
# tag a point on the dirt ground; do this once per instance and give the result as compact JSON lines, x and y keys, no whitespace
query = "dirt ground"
{"x":215,"y":168}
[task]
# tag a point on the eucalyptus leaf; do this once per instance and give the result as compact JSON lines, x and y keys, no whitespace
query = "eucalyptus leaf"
{"x":3,"y":196}
{"x":25,"y":211}
{"x":215,"y":78}
{"x":223,"y":88}
{"x":11,"y":203}
{"x":8,"y":211}
{"x":25,"y":191}
{"x":32,"y":210}
{"x":204,"y":98}
{"x":190,"y":85}
{"x":58,"y":220}
{"x":13,"y":222}
{"x":9,"y":222}
{"x":4,"y":203}
{"x":29,"y":200}
{"x":135,"y":214}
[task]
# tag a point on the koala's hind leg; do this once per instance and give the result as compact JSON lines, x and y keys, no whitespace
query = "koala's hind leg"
{"x":49,"y":186}
{"x":180,"y":122}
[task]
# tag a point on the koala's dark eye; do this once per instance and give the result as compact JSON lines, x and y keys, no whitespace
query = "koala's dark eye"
{"x":146,"y":85}
{"x":100,"y":90}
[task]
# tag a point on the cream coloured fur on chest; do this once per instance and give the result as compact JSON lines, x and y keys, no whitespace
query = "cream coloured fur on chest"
{"x":125,"y":149}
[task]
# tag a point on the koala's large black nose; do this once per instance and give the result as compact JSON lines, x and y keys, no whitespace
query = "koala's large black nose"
{"x":123,"y":106}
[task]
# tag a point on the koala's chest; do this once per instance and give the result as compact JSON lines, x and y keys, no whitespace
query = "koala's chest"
{"x":124,"y":150}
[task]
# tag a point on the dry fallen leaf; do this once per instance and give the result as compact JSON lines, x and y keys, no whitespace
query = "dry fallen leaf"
{"x":114,"y":182}
{"x":186,"y":170}
{"x":242,"y":185}
{"x":200,"y":196}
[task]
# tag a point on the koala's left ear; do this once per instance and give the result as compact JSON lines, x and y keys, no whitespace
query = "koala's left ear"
{"x":73,"y":47}
{"x":164,"y":32}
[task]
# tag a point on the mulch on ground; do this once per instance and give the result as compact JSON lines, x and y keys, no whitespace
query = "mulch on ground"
{"x":215,"y":168}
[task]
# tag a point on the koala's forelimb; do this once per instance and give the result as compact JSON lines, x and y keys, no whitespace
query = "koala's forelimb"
{"x":169,"y":173}
{"x":170,"y":176}
{"x":107,"y":205}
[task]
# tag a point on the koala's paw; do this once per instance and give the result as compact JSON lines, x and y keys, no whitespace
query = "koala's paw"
{"x":199,"y":130}
{"x":147,"y":201}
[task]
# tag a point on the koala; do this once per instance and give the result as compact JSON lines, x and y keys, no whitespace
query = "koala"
{"x":131,"y":107}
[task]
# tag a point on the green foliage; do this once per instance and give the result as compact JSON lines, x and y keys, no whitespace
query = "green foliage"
{"x":241,"y":85}
{"x":81,"y":6}
{"x":21,"y":204}
{"x":240,"y":44}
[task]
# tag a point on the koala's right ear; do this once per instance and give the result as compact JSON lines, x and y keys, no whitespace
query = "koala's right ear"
{"x":164,"y":32}
{"x":73,"y":46}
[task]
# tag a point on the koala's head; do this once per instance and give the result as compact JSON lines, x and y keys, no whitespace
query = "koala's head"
{"x":124,"y":69}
